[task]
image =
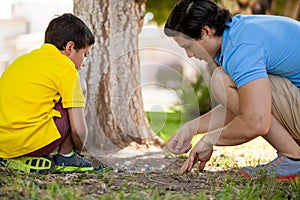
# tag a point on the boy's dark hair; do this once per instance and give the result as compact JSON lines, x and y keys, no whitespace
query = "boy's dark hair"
{"x":188,"y":17}
{"x":68,"y":27}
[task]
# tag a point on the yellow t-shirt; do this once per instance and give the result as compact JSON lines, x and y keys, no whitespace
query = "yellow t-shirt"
{"x":29,"y":89}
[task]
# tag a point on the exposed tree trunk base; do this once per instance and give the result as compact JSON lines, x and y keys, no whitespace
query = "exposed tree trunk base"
{"x":151,"y":141}
{"x":104,"y":146}
{"x":155,"y":141}
{"x":138,"y":150}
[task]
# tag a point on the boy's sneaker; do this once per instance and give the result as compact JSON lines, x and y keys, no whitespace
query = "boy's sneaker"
{"x":28,"y":164}
{"x":282,"y":168}
{"x":2,"y":162}
{"x":75,"y":163}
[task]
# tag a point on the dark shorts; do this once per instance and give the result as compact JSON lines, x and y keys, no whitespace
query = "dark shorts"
{"x":63,"y":126}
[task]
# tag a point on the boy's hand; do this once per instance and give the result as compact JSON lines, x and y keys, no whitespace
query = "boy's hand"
{"x":202,"y":153}
{"x":181,"y":141}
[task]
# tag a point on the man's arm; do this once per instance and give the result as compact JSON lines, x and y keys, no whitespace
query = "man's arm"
{"x":78,"y":127}
{"x":253,"y":120}
{"x":212,"y":120}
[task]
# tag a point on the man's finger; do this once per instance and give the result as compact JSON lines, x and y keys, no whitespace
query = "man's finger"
{"x":202,"y":165}
{"x":171,"y":146}
{"x":184,"y":167}
{"x":179,"y":144}
{"x":188,"y":148}
{"x":191,"y":162}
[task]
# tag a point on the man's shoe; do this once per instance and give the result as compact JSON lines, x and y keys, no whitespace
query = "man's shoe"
{"x":282,"y":168}
{"x":75,"y":163}
{"x":28,"y":164}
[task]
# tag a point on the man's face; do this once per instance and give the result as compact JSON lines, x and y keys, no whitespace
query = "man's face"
{"x":204,"y":49}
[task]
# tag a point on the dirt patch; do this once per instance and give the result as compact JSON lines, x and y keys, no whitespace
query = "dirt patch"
{"x":157,"y":168}
{"x":166,"y":180}
{"x":137,"y":169}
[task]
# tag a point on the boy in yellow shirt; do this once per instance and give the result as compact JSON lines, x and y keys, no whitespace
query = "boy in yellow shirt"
{"x":42,"y":102}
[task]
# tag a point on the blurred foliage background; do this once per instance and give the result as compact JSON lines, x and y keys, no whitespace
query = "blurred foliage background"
{"x":290,"y":8}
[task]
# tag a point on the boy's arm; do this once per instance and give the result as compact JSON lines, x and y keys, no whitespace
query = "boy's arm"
{"x":79,"y":130}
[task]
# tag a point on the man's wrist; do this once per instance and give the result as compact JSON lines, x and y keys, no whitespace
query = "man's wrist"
{"x":192,"y":129}
{"x":207,"y":142}
{"x":212,"y":137}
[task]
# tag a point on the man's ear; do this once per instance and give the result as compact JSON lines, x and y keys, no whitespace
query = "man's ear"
{"x":206,"y":30}
{"x":69,"y":47}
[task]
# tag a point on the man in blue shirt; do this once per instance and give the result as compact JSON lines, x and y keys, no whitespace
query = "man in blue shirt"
{"x":256,"y":83}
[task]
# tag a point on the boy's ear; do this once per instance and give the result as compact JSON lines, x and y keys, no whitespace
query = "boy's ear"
{"x":69,"y":47}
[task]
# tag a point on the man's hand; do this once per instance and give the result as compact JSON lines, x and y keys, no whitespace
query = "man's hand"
{"x":201,"y":152}
{"x":181,"y":141}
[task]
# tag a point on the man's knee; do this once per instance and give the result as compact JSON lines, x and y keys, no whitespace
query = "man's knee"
{"x":220,"y":81}
{"x":224,"y":90}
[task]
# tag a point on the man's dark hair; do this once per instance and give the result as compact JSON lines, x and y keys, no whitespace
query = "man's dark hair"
{"x":68,"y":27}
{"x":188,"y":17}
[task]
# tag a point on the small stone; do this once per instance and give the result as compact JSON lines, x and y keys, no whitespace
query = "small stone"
{"x":133,"y":167}
{"x":147,"y":168}
{"x":162,"y":167}
{"x":127,"y":163}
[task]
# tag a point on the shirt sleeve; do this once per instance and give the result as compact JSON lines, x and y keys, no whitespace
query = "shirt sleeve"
{"x":71,"y":90}
{"x":245,"y":64}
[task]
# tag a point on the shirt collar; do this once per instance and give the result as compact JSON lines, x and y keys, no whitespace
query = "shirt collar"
{"x":219,"y":56}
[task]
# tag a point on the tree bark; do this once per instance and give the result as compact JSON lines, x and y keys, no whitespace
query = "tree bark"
{"x":290,"y":8}
{"x":114,"y":106}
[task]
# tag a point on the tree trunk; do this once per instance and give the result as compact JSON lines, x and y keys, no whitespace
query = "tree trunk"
{"x":295,"y":13}
{"x":114,"y":106}
{"x":287,"y":7}
{"x":290,"y":8}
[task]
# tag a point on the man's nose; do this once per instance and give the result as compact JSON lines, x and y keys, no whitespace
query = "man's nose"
{"x":189,"y":53}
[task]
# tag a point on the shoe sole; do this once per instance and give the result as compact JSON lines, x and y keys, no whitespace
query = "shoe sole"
{"x":58,"y":168}
{"x":29,"y":164}
{"x":277,"y":179}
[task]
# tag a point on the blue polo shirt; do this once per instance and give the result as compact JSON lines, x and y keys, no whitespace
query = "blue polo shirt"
{"x":257,"y":45}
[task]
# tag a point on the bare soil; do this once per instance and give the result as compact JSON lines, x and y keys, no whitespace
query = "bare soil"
{"x":133,"y":169}
{"x":158,"y":169}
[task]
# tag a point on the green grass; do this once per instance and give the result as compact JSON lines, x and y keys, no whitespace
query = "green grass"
{"x":87,"y":186}
{"x":108,"y":185}
{"x":165,"y":124}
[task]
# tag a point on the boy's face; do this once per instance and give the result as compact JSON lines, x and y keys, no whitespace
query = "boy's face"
{"x":79,"y":56}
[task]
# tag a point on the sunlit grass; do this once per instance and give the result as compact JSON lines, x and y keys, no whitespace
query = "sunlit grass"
{"x":108,"y":185}
{"x":23,"y":186}
{"x":252,"y":153}
{"x":164,"y":124}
